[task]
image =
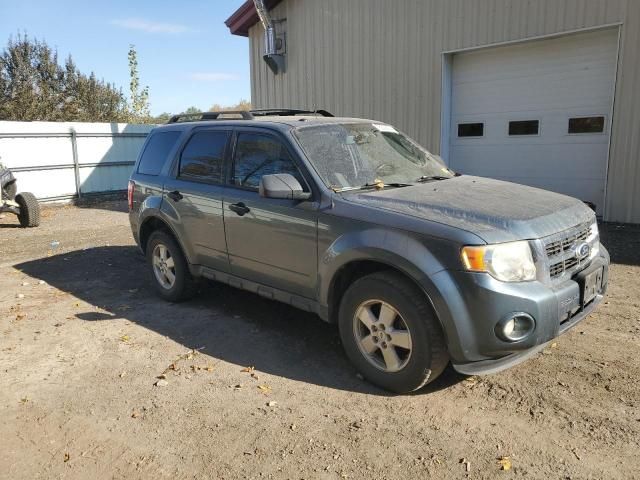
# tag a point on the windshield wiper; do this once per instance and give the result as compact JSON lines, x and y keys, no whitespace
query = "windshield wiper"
{"x":367,"y":186}
{"x":393,"y":184}
{"x":428,"y":178}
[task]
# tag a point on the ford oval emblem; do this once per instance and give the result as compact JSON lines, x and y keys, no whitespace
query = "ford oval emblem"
{"x":583,"y":250}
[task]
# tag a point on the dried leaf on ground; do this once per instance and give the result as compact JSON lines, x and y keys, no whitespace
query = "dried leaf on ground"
{"x":248,"y":369}
{"x":125,"y":338}
{"x":266,"y":389}
{"x":505,"y":463}
{"x":208,"y":368}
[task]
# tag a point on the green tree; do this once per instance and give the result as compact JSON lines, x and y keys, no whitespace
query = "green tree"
{"x":162,"y":118}
{"x":139,"y":97}
{"x":241,"y":105}
{"x":34,"y":86}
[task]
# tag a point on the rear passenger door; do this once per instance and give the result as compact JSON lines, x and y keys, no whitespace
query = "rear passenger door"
{"x":194,"y":193}
{"x":275,"y":242}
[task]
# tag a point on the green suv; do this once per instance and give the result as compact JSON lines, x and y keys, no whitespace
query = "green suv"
{"x":354,"y":221}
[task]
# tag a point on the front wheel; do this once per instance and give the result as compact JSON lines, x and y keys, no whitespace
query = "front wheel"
{"x":29,"y":214}
{"x":169,"y":268}
{"x":390,"y":333}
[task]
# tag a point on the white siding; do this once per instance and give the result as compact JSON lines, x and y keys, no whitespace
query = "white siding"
{"x":41,"y":155}
{"x":383,"y":59}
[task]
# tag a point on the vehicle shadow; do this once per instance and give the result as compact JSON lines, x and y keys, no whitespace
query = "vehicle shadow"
{"x":225,"y":323}
{"x":114,"y":202}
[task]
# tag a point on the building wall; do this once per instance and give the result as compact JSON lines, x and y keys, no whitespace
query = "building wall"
{"x":383,"y":59}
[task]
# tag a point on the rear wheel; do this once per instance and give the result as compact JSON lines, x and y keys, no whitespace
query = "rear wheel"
{"x":169,"y":268}
{"x":390,"y":333}
{"x":29,"y":215}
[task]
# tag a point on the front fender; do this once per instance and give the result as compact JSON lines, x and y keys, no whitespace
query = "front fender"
{"x":422,"y":260}
{"x":401,"y":250}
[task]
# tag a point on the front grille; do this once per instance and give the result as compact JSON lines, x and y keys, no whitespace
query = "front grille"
{"x":559,"y":268}
{"x":557,"y":247}
{"x":560,"y":250}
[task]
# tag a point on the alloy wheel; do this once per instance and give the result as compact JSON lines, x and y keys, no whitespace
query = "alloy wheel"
{"x":164,"y":266}
{"x":382,"y":335}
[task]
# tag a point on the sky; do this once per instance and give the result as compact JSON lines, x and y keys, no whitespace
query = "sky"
{"x":186,"y":54}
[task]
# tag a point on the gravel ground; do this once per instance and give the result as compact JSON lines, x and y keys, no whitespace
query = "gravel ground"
{"x":101,"y":379}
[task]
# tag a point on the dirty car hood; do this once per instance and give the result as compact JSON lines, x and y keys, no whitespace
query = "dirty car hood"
{"x":494,"y":210}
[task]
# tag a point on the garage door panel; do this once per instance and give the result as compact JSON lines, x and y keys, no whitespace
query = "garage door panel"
{"x":536,"y":57}
{"x":549,"y":81}
{"x":553,"y":129}
{"x":531,"y":161}
{"x":572,"y":90}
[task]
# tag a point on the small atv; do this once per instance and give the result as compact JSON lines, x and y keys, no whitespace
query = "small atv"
{"x":24,"y":204}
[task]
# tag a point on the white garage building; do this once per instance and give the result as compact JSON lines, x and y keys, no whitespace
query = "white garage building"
{"x":539,"y":92}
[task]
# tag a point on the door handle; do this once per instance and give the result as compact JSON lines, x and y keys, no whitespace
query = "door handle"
{"x":240,"y":208}
{"x":176,"y":196}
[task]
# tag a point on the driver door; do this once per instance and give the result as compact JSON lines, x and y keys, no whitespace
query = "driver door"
{"x":269,"y":241}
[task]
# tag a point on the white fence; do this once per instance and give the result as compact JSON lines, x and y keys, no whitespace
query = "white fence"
{"x":62,"y":160}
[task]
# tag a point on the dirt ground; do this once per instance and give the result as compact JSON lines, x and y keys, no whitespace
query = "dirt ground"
{"x":83,"y":340}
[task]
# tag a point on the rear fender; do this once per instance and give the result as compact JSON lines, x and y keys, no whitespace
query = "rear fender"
{"x":154,"y":208}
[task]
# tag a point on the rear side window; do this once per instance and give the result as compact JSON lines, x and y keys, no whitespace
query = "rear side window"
{"x":257,"y":155}
{"x":156,"y":152}
{"x":203,"y":155}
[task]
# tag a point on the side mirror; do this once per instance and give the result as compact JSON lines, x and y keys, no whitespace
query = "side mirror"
{"x":282,"y":185}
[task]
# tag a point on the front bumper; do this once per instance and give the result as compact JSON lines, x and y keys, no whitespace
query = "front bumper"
{"x":495,"y":365}
{"x":480,"y":302}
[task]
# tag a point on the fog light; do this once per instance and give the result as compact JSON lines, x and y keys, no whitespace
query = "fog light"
{"x":515,"y":327}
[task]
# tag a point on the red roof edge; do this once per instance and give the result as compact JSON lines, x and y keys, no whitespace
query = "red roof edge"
{"x":246,"y":17}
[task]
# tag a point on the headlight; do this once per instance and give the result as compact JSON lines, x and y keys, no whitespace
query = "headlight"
{"x":508,"y":262}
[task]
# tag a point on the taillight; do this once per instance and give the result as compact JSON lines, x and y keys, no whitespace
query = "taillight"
{"x":130,"y":189}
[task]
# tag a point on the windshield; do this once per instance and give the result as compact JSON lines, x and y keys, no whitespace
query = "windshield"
{"x":353,"y":155}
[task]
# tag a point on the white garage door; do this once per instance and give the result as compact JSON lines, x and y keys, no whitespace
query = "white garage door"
{"x":537,"y":113}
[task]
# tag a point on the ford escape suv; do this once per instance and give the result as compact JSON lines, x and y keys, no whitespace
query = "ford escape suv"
{"x":353,"y":220}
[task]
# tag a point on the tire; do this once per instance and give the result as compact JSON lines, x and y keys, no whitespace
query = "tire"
{"x":29,"y":215}
{"x":10,"y":190}
{"x":405,"y":308}
{"x":184,"y":285}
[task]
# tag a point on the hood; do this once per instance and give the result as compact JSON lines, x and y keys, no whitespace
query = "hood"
{"x":494,"y":210}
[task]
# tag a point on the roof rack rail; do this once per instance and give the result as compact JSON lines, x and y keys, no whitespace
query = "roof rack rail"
{"x":244,"y":114}
{"x":197,"y":116}
{"x":288,"y":111}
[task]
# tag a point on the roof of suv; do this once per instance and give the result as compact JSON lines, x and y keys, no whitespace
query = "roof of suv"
{"x":286,"y":121}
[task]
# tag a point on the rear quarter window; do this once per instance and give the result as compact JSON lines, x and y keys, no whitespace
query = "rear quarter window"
{"x":156,"y":152}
